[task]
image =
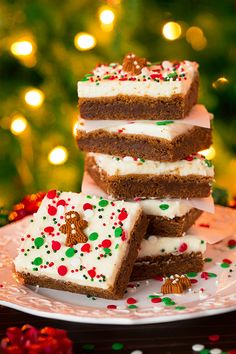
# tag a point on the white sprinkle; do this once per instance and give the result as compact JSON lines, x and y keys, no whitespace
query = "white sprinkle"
{"x":73,"y":232}
{"x":73,"y":215}
{"x":36,"y":288}
{"x":72,"y":226}
{"x":135,"y":62}
{"x":198,"y":347}
{"x":128,"y":159}
{"x":137,"y":66}
{"x":215,"y":351}
{"x":136,"y":352}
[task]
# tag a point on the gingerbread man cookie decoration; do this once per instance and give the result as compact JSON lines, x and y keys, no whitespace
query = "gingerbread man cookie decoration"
{"x":73,"y":228}
{"x":133,"y":64}
{"x":176,"y":284}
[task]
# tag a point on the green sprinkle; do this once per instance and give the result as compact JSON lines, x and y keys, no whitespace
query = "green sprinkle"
{"x":117,"y":346}
{"x":208,"y":260}
{"x":173,"y":75}
{"x":103,"y":203}
{"x":164,"y":206}
{"x":205,"y":351}
{"x":132,"y":307}
{"x":106,"y":77}
{"x":192,"y":274}
{"x":107,"y":250}
{"x":88,"y":347}
{"x":142,"y":160}
{"x":37,"y":261}
{"x":70,"y":252}
{"x":165,"y":122}
{"x":38,"y":242}
{"x":208,"y":163}
{"x":117,"y":246}
{"x":202,"y":242}
{"x":212,"y":275}
{"x":89,"y":197}
{"x":153,"y":296}
{"x":93,"y":236}
{"x":179,"y":308}
{"x":84,"y":79}
{"x":118,"y":232}
{"x":225,"y":265}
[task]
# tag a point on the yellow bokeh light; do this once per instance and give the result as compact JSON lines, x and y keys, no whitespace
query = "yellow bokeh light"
{"x":18,"y":124}
{"x":193,"y":34}
{"x":171,"y":31}
{"x":34,"y":97}
{"x":22,"y":48}
{"x":106,"y":16}
{"x":209,"y":153}
{"x":75,"y":127}
{"x":199,"y":44}
{"x":84,"y":41}
{"x":58,"y":155}
{"x":222,"y":81}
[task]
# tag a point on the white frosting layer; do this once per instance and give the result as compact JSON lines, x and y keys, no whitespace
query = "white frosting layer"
{"x":117,"y":166}
{"x":43,"y":251}
{"x":155,"y":246}
{"x":156,"y":81}
{"x":198,"y":116}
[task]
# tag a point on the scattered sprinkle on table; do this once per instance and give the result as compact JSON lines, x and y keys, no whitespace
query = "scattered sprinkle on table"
{"x":117,"y":346}
{"x":198,"y":347}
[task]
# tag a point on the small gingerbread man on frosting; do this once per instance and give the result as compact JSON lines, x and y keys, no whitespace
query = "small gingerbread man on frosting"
{"x":133,"y":64}
{"x":73,"y":228}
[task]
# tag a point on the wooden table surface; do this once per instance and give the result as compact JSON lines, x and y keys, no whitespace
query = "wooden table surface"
{"x":168,"y":338}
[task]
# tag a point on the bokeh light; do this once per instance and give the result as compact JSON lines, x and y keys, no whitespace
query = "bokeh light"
{"x":75,"y":127}
{"x":34,"y":97}
{"x":196,"y":38}
{"x":22,"y":48}
{"x":106,"y":16}
{"x":220,"y":82}
{"x":209,"y":153}
{"x":18,"y":124}
{"x":171,"y":31}
{"x":58,"y":155}
{"x":84,"y":41}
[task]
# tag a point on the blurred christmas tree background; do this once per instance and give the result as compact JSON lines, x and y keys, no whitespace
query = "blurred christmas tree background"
{"x":47,"y":46}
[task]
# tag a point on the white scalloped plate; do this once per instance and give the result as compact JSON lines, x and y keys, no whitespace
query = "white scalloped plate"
{"x":211,"y":296}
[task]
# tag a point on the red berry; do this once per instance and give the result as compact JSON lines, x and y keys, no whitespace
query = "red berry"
{"x":62,"y":270}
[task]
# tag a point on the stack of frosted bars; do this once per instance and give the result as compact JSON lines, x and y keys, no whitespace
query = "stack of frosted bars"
{"x":142,"y":131}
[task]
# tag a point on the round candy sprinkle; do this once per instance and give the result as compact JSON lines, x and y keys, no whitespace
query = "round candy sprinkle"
{"x":164,"y":206}
{"x":37,"y":261}
{"x":136,"y":352}
{"x":198,"y":347}
{"x":52,"y":210}
{"x":93,"y":236}
{"x":52,"y":194}
{"x":103,"y":203}
{"x":215,"y":351}
{"x":118,"y":232}
{"x":56,"y":245}
{"x":70,"y":252}
{"x":183,"y":247}
{"x":88,"y":347}
{"x":131,"y":301}
{"x":106,"y":243}
{"x":49,"y":229}
{"x":156,"y":300}
{"x":123,"y":215}
{"x":87,"y":206}
{"x":38,"y":242}
{"x":225,"y":265}
{"x":214,"y":337}
{"x":85,"y":247}
{"x":231,"y":243}
{"x":111,"y":307}
{"x":62,"y":270}
{"x":117,"y":346}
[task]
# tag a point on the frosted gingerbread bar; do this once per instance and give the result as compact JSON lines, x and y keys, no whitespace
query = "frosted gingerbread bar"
{"x":137,"y":89}
{"x":166,"y":256}
{"x":167,"y":140}
{"x":81,"y":244}
{"x":167,"y":217}
{"x":127,"y":177}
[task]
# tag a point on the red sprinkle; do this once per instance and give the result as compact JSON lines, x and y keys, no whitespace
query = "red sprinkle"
{"x":131,"y":301}
{"x":52,"y":210}
{"x":194,"y":281}
{"x":52,"y":194}
{"x":155,"y":300}
{"x":204,"y":225}
{"x":61,"y":202}
{"x":111,"y":307}
{"x":49,"y":229}
{"x":123,"y":215}
{"x":56,"y":245}
{"x":106,"y":243}
{"x":158,"y":278}
{"x":226,"y":260}
{"x":232,"y":243}
{"x":183,"y":247}
{"x":62,"y":270}
{"x":87,"y":206}
{"x":85,"y":248}
{"x":214,"y":337}
{"x":204,"y":275}
{"x":92,"y":273}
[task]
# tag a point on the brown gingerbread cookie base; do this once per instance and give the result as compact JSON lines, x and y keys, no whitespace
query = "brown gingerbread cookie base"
{"x":165,"y":227}
{"x":115,"y":292}
{"x":135,"y":107}
{"x":149,"y":186}
{"x":167,"y":265}
{"x":146,"y":147}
